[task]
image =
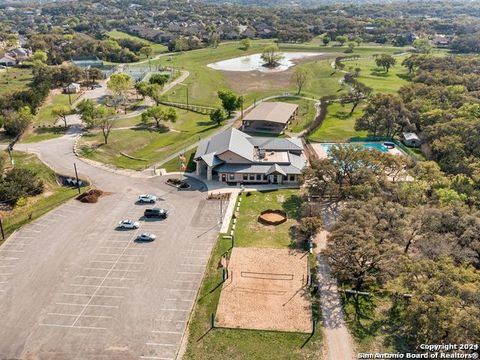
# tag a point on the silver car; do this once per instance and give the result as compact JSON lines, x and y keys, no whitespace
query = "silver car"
{"x":128,"y":224}
{"x":146,"y":237}
{"x":147,"y":198}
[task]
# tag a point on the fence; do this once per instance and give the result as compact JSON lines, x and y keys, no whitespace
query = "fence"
{"x":205,"y":110}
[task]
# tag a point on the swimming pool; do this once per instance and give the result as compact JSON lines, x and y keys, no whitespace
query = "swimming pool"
{"x":367,"y":145}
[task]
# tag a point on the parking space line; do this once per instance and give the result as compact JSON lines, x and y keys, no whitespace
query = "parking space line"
{"x":184,"y":290}
{"x":94,"y":295}
{"x":7,"y":266}
{"x":6,"y":274}
{"x":195,"y":257}
{"x":102,"y":306}
{"x":75,"y":327}
{"x":103,"y":286}
{"x":155,"y":358}
{"x":166,"y":332}
{"x":189,"y":272}
{"x":101,"y":277}
{"x":8,"y":258}
{"x":6,"y":250}
{"x":158,"y":344}
{"x":184,"y":300}
{"x":176,"y":310}
{"x":166,"y":320}
{"x":185,"y":281}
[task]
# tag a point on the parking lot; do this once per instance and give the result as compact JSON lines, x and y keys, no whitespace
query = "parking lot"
{"x":74,"y":287}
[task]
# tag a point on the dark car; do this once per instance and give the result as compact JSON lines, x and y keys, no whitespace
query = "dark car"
{"x":156,"y":213}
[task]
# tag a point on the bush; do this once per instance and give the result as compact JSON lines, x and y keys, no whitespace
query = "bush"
{"x":19,"y":183}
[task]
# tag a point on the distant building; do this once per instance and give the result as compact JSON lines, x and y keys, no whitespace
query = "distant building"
{"x":411,"y":139}
{"x":73,"y":88}
{"x":7,"y":60}
{"x":20,"y":54}
{"x":272,"y":117}
{"x":235,"y":157}
{"x":441,"y":41}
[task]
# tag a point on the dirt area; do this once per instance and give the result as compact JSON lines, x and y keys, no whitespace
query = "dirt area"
{"x":248,"y":81}
{"x":272,"y":217}
{"x":266,"y":290}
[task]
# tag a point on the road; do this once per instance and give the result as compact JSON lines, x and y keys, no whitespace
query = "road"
{"x":73,"y":287}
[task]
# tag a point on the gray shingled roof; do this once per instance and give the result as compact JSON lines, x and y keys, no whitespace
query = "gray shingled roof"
{"x":277,"y":144}
{"x":275,"y":168}
{"x":230,"y":140}
{"x":256,"y":169}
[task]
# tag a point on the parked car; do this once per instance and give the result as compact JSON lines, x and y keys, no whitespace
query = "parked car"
{"x":156,"y":213}
{"x":146,"y":237}
{"x":147,"y":198}
{"x":96,"y":86}
{"x":128,"y":224}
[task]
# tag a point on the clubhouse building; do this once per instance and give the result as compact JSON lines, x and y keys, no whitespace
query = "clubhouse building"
{"x":235,"y":157}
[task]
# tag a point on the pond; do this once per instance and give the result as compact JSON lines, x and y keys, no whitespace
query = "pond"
{"x":255,"y":63}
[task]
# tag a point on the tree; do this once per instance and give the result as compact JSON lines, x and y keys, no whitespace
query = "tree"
{"x":61,"y":112}
{"x":351,"y":46}
{"x":412,"y":62}
{"x":159,"y":114}
{"x":16,"y":122}
{"x":119,"y":85}
{"x":142,"y":88}
{"x":384,"y":115}
{"x":422,"y":46}
{"x":103,"y":119}
{"x":443,"y":306}
{"x":301,"y":76}
{"x":356,"y":93}
{"x":342,"y":39}
{"x":271,"y":56}
{"x":155,"y":91}
{"x":160,"y":79}
{"x":325,"y":40}
{"x":217,"y":116}
{"x":40,"y":57}
{"x":86,"y":109}
{"x":245,"y":44}
{"x":230,"y":101}
{"x":386,"y":61}
{"x":310,"y":226}
{"x":181,"y":44}
{"x":18,"y":183}
{"x":147,"y":51}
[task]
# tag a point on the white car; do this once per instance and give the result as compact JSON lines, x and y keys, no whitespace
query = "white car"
{"x":128,"y":224}
{"x":146,"y":237}
{"x":147,"y":198}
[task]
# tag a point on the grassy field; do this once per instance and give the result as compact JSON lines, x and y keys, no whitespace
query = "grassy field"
{"x":249,"y":232}
{"x":237,"y":344}
{"x":204,"y":82}
{"x":33,"y":207}
{"x":14,"y":79}
{"x":149,"y":145}
{"x":157,"y":48}
{"x":44,"y":115}
{"x":338,"y":125}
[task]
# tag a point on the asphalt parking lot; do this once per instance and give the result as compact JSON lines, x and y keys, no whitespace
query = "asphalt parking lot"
{"x":74,"y":287}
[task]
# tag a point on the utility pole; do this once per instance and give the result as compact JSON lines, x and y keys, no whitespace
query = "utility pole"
{"x":76,"y":175}
{"x":69,"y":96}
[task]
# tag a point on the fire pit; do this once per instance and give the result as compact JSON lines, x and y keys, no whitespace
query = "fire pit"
{"x":272,"y":217}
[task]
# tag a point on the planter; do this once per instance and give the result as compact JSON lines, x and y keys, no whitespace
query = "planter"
{"x":272,"y":217}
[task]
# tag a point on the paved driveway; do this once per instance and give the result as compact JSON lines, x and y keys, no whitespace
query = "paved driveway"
{"x":73,"y":287}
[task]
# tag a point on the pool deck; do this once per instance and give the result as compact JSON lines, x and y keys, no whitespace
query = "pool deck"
{"x":322,"y":154}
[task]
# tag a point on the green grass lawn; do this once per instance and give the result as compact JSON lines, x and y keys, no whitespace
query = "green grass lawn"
{"x":249,"y":232}
{"x":338,"y":125}
{"x":118,"y":35}
{"x":15,"y":79}
{"x":31,"y":208}
{"x":147,"y":144}
{"x":44,"y":115}
{"x":203,"y":82}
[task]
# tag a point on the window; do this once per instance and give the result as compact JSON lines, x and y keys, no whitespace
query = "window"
{"x":245,"y":177}
{"x":259,"y":177}
{"x":264,"y":177}
{"x":292,"y":177}
{"x":231,"y":176}
{"x":285,"y":177}
{"x":252,"y":177}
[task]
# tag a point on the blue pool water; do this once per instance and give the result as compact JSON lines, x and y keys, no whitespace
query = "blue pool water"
{"x":370,"y":146}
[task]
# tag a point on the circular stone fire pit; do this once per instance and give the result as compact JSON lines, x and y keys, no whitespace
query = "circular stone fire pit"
{"x":272,"y":217}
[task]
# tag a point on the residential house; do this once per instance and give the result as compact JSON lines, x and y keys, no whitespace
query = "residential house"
{"x":235,"y":157}
{"x":272,"y":117}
